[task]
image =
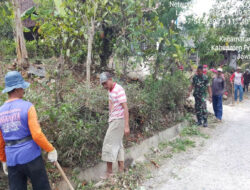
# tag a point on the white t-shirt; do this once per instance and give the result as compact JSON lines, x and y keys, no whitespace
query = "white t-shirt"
{"x":238,"y":78}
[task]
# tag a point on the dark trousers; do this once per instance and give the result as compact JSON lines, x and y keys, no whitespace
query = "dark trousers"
{"x":246,"y":87}
{"x":217,"y":105}
{"x":201,"y":109}
{"x":34,"y":170}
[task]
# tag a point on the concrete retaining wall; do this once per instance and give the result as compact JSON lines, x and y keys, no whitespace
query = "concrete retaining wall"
{"x":133,"y":154}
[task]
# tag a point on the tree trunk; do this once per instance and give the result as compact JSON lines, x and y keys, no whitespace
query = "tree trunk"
{"x":58,"y":83}
{"x":158,"y":61}
{"x":22,"y":55}
{"x":197,"y":58}
{"x":156,"y":67}
{"x":91,"y":33}
{"x":125,"y":68}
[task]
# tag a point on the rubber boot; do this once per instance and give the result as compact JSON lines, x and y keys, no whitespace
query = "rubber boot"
{"x":199,"y":123}
{"x":205,"y":123}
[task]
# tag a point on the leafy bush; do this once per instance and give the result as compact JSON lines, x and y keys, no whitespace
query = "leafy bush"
{"x":39,"y":49}
{"x":45,"y":50}
{"x":80,"y":123}
{"x":7,"y":48}
{"x":77,"y":126}
{"x":79,"y":134}
{"x":228,"y":69}
{"x":164,"y":96}
{"x":6,"y":29}
{"x":31,"y":48}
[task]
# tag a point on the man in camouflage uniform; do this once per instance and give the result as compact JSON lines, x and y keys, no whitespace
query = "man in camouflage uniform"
{"x":200,"y":84}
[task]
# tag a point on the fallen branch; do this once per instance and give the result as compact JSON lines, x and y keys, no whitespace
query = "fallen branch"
{"x":154,"y":163}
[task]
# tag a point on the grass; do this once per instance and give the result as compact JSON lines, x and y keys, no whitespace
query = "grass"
{"x":166,"y":156}
{"x":129,"y":180}
{"x":3,"y":179}
{"x":193,"y":130}
{"x":188,"y":117}
{"x":181,"y":144}
{"x":163,"y":145}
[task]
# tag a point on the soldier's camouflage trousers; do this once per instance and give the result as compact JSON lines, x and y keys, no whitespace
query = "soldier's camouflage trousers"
{"x":201,"y":109}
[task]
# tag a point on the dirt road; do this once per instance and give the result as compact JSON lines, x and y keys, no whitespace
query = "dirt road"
{"x":220,"y":163}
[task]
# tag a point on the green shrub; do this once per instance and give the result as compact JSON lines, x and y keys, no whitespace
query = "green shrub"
{"x":7,"y":48}
{"x":79,"y":134}
{"x":77,"y":126}
{"x":40,"y":49}
{"x":81,"y":125}
{"x":31,"y":48}
{"x":227,"y":69}
{"x":82,"y":121}
{"x":163,"y":96}
{"x":45,"y":50}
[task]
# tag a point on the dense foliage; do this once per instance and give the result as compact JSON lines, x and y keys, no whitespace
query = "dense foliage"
{"x":72,"y":38}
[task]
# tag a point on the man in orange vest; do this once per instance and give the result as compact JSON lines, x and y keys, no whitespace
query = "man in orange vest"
{"x":21,"y":138}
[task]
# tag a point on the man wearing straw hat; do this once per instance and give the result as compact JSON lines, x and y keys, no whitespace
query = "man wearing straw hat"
{"x":21,"y":138}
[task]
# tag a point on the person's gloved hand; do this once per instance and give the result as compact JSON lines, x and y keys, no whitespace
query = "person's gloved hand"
{"x":5,"y":168}
{"x":52,"y":156}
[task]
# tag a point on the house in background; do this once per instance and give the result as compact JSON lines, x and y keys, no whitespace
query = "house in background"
{"x":229,"y":57}
{"x":28,"y":23}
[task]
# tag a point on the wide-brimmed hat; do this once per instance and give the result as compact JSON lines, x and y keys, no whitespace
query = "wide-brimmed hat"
{"x":13,"y":80}
{"x":238,"y":68}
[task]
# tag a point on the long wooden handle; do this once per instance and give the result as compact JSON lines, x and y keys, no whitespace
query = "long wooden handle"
{"x":64,"y":175}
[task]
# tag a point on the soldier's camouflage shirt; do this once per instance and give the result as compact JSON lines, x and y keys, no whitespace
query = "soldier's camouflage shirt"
{"x":200,"y":84}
